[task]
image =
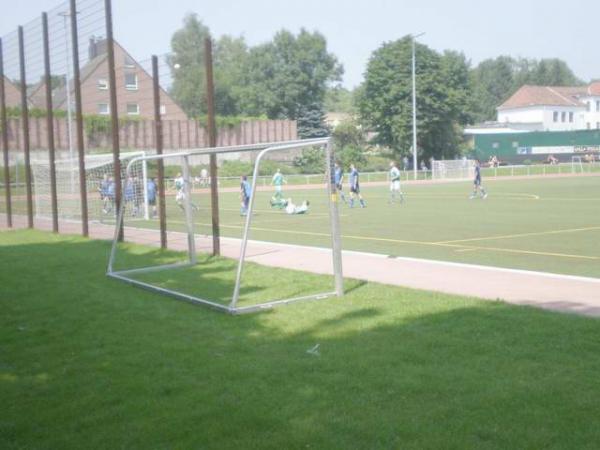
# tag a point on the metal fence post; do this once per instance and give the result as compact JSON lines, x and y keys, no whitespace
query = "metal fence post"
{"x":4,"y":129}
{"x":162,"y":213}
{"x":114,"y":114}
{"x":50,"y":123}
{"x":212,"y":142}
{"x":25,"y":125}
{"x":79,"y":118}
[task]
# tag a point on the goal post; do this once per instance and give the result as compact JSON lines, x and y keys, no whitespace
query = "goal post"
{"x":186,"y":209}
{"x":457,"y":169}
{"x":576,"y":164}
{"x":98,"y":175}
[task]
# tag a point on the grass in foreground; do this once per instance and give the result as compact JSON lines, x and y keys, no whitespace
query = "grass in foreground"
{"x":89,"y":362}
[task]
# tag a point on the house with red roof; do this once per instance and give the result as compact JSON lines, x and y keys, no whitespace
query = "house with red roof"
{"x":552,"y":108}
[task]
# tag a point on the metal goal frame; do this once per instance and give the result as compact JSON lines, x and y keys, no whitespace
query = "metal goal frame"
{"x":232,"y":307}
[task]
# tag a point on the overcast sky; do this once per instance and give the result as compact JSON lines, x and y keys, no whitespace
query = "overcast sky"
{"x":530,"y":28}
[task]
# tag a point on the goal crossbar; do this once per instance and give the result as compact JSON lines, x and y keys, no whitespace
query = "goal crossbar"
{"x":233,"y":307}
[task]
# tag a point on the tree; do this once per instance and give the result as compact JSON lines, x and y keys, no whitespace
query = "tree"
{"x":187,"y":66}
{"x":311,"y":121}
{"x":385,"y":102}
{"x":289,"y":76}
{"x":230,"y":60}
{"x":493,"y":81}
{"x":339,"y":99}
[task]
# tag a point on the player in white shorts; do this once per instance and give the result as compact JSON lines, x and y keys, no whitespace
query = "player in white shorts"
{"x":395,"y":188}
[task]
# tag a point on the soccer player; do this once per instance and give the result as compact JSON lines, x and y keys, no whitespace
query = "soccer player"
{"x":477,"y":187}
{"x":151,"y":194}
{"x":278,"y":202}
{"x":293,"y":209}
{"x":278,"y":181}
{"x":355,"y":188}
{"x":338,"y":176}
{"x":245,"y":193}
{"x":129,"y":194}
{"x":180,"y":196}
{"x":103,"y":189}
{"x":395,"y":188}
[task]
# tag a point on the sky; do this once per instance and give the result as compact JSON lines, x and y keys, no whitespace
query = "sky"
{"x":354,"y":29}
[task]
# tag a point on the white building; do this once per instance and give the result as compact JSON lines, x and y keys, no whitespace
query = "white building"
{"x":552,"y":108}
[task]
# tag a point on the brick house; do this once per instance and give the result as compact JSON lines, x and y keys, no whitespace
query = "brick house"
{"x":12,"y":93}
{"x":134,"y":88}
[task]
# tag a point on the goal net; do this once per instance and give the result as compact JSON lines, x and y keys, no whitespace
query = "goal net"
{"x":267,"y":209}
{"x":576,"y":164}
{"x":100,"y":184}
{"x":452,"y":169}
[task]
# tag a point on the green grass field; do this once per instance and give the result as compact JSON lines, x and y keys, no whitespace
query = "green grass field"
{"x":550,"y":225}
{"x":544,"y":224}
{"x":90,"y":362}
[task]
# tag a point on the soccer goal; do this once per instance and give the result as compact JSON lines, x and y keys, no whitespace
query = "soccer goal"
{"x":576,"y":164}
{"x":459,"y":169}
{"x":99,"y":174}
{"x":188,"y":208}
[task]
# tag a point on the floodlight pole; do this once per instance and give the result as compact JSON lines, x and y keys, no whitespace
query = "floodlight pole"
{"x":414,"y":103}
{"x":212,"y":138}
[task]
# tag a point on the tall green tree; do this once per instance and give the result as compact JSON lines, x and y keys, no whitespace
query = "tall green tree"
{"x":385,"y":102}
{"x":187,"y":66}
{"x":288,"y":76}
{"x":494,"y":80}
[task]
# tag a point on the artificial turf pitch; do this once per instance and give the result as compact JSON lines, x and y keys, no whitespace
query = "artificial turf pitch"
{"x":542,"y":224}
{"x":90,"y":362}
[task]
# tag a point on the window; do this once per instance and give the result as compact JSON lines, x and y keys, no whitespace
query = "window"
{"x":571,"y":116}
{"x":163,"y":110}
{"x":133,"y":109}
{"x":597,"y":125}
{"x":102,"y":84}
{"x":131,"y":82}
{"x":589,"y":125}
{"x":563,"y":116}
{"x":555,"y":116}
{"x":103,"y":108}
{"x":589,"y":106}
{"x":129,"y":61}
{"x":597,"y":105}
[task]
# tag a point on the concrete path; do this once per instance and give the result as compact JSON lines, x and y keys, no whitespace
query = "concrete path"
{"x":556,"y":292}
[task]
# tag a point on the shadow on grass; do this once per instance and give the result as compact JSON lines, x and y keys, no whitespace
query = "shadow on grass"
{"x":391,"y":368}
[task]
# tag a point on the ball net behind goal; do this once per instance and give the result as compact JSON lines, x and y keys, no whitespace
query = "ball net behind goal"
{"x":268,"y":209}
{"x":100,"y":184}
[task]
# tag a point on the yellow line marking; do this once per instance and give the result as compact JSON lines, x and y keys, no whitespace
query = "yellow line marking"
{"x":468,"y":249}
{"x":435,"y":244}
{"x":510,"y":236}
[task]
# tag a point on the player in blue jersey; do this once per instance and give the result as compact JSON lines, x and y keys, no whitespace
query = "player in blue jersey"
{"x":338,"y":175}
{"x":245,"y":193}
{"x":104,"y":194}
{"x":151,"y":194}
{"x":477,"y":187}
{"x":355,"y":187}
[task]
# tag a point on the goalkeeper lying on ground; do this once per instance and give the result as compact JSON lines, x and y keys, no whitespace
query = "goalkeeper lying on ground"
{"x":289,"y":206}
